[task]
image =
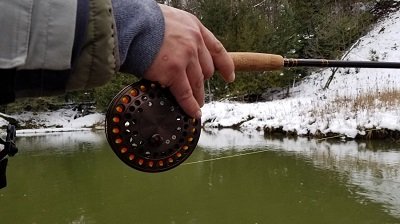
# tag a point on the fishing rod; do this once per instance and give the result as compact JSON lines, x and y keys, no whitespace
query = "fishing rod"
{"x":148,"y":130}
{"x":247,"y":61}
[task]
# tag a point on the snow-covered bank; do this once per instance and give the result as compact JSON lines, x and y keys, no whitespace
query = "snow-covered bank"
{"x":310,"y":110}
{"x":63,"y":120}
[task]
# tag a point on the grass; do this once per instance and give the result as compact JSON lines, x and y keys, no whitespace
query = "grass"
{"x":388,"y":98}
{"x":362,"y":105}
{"x":377,"y":99}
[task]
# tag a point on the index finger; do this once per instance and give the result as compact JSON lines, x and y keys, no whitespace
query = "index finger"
{"x":222,"y":61}
{"x":183,"y":94}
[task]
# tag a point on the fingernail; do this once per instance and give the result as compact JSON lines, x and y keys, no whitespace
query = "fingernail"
{"x":198,"y":114}
{"x":232,"y":77}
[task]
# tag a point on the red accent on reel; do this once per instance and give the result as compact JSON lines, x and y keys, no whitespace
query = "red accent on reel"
{"x":147,"y":129}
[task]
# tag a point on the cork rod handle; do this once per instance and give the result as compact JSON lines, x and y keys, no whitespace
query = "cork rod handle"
{"x":247,"y":61}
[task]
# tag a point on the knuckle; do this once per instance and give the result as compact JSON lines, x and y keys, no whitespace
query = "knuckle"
{"x":185,"y":95}
{"x":189,"y":51}
{"x":217,"y":47}
{"x":174,"y":67}
{"x":194,"y":37}
{"x":197,"y":36}
{"x":208,"y":72}
{"x":165,"y":82}
{"x":198,"y":85}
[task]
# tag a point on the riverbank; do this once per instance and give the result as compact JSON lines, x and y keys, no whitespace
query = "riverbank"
{"x":63,"y":120}
{"x":298,"y":117}
{"x":359,"y":103}
{"x":295,"y":117}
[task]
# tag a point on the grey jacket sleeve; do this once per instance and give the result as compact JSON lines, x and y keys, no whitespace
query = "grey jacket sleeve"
{"x":140,"y":29}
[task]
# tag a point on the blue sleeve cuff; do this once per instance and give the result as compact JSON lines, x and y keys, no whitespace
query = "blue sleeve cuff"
{"x":140,"y":29}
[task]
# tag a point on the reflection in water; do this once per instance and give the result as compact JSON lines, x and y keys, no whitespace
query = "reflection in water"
{"x":61,"y":143}
{"x":75,"y":178}
{"x":376,"y":172}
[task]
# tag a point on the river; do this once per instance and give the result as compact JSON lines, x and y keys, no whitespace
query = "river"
{"x":230,"y":178}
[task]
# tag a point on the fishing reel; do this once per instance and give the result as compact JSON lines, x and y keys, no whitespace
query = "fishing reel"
{"x":10,"y":149}
{"x":148,"y":130}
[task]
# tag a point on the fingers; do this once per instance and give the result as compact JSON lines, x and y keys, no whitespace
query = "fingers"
{"x":222,"y":61}
{"x":188,"y":89}
{"x":206,"y":62}
{"x":196,"y":80}
{"x":189,"y":54}
{"x":182,"y":91}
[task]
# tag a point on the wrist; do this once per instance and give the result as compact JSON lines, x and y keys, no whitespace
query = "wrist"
{"x":140,"y":30}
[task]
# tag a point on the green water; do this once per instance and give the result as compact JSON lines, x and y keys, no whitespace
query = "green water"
{"x":73,"y":178}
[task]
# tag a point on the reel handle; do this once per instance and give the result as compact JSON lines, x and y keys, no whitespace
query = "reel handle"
{"x":248,"y":61}
{"x":10,"y":149}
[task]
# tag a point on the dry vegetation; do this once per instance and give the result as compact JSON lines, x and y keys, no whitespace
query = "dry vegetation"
{"x":388,"y":98}
{"x":351,"y":107}
{"x":377,"y":99}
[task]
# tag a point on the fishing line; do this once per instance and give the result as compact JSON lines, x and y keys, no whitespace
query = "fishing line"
{"x":226,"y":157}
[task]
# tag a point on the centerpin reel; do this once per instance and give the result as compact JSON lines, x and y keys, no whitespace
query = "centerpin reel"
{"x":148,"y":130}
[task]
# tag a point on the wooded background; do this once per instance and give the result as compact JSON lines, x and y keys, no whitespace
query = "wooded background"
{"x":292,"y":28}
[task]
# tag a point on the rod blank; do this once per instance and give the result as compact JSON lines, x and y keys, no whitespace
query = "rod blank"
{"x":338,"y":63}
{"x":247,"y":61}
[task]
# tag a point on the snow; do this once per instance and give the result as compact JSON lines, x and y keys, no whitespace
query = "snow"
{"x":309,"y":110}
{"x":62,"y":120}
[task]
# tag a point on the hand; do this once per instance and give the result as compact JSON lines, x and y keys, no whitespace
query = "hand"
{"x":189,"y":55}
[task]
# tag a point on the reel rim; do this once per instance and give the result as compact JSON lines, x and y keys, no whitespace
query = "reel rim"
{"x":166,"y":144}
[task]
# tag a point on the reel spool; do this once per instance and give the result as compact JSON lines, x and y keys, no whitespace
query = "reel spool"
{"x":147,"y":129}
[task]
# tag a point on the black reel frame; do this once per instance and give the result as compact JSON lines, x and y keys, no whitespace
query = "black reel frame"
{"x":147,"y":129}
{"x":10,"y":149}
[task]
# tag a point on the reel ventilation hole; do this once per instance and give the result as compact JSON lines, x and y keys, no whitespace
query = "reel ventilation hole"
{"x":148,"y":130}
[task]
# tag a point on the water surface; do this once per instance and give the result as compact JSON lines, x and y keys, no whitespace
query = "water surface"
{"x":230,"y":178}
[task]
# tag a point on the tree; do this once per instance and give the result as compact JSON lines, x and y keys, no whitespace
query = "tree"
{"x":103,"y":95}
